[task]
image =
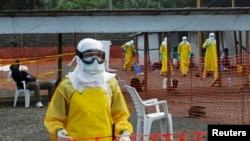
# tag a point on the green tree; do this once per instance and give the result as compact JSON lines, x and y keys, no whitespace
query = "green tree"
{"x":177,"y":3}
{"x":50,"y":4}
{"x":139,"y":3}
{"x":152,"y":3}
{"x":79,"y":4}
{"x":21,"y":4}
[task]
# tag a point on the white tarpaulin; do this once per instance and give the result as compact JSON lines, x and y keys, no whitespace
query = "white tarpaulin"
{"x":106,"y":47}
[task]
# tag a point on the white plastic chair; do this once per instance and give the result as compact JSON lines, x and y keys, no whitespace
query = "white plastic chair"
{"x":146,"y":118}
{"x":26,"y":95}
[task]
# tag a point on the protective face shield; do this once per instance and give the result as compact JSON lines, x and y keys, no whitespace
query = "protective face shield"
{"x":92,"y":60}
{"x":211,"y":36}
{"x":92,"y":56}
{"x":89,"y":56}
{"x":184,"y":39}
{"x":90,"y":70}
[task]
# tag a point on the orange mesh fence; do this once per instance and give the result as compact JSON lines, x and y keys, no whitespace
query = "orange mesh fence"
{"x":185,"y":136}
{"x":223,"y":104}
{"x":192,"y":96}
{"x":224,"y":100}
{"x":44,"y":68}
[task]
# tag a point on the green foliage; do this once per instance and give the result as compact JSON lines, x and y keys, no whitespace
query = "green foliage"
{"x":97,"y":4}
{"x":114,"y":4}
{"x":119,"y":4}
{"x":80,"y":4}
{"x":138,"y":3}
{"x":50,"y":4}
{"x":21,"y":4}
{"x":28,"y":4}
{"x":177,"y":3}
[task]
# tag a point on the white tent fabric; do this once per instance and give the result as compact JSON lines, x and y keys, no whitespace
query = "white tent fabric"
{"x":124,"y":24}
{"x":153,"y":44}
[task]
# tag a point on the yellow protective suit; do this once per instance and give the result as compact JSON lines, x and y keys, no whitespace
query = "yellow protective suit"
{"x":184,"y":50}
{"x":164,"y":61}
{"x":210,"y":59}
{"x":129,"y":50}
{"x":88,"y":114}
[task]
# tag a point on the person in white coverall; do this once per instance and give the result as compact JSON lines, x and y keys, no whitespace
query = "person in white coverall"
{"x":88,"y":104}
{"x":184,"y":55}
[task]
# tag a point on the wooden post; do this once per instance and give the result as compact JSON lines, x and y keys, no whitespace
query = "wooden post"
{"x":169,"y":72}
{"x":76,"y":39}
{"x":239,"y":57}
{"x":247,"y":83}
{"x":247,"y":43}
{"x":218,"y":56}
{"x":198,"y":3}
{"x":59,"y":61}
{"x":200,"y":66}
{"x":136,"y":48}
{"x":146,"y":49}
{"x":233,"y":3}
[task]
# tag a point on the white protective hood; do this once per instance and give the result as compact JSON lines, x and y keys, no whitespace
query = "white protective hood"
{"x":81,"y":79}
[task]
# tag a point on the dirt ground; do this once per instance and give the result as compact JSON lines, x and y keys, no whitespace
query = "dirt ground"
{"x":26,"y":124}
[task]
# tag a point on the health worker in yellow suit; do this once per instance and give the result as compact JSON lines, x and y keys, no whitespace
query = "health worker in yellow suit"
{"x":89,"y":101}
{"x":129,"y":50}
{"x":210,"y":59}
{"x":164,"y":57}
{"x":184,"y":55}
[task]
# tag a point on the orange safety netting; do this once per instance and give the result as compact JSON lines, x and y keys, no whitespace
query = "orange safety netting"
{"x":224,"y":101}
{"x":185,"y":136}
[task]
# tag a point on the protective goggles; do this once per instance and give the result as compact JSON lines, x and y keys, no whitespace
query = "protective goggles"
{"x":211,"y":35}
{"x":90,"y":56}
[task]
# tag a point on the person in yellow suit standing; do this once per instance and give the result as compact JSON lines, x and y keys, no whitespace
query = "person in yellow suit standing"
{"x":129,"y":50}
{"x":210,"y":59}
{"x":88,"y":104}
{"x":164,"y":57}
{"x":184,"y":55}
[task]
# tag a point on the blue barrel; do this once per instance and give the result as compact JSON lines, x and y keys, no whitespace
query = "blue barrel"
{"x":137,"y":69}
